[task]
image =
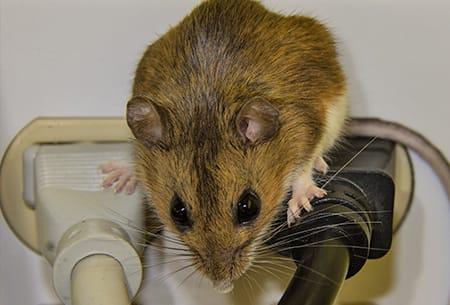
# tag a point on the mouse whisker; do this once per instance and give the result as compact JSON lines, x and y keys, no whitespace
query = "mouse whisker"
{"x":200,"y":279}
{"x":254,"y":280}
{"x":267,"y":262}
{"x":166,"y":276}
{"x":196,"y":269}
{"x":161,"y":251}
{"x":148,"y":266}
{"x":161,"y":236}
{"x":313,"y":231}
{"x":312,"y":217}
{"x":136,"y":228}
{"x":319,"y":245}
{"x":165,"y":238}
{"x":318,"y":273}
{"x":280,"y":227}
{"x":291,"y":272}
{"x":319,"y":230}
{"x":341,"y":246}
{"x":306,"y":245}
{"x":250,"y":290}
{"x":276,"y":268}
{"x":267,"y":269}
{"x":348,"y":162}
{"x":166,"y":247}
{"x":159,"y":278}
{"x":277,"y":257}
{"x":264,"y":237}
{"x":158,"y":238}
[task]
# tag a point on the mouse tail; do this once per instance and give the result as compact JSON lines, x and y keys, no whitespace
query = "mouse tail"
{"x":374,"y":127}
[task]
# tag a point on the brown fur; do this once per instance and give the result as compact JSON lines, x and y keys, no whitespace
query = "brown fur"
{"x":200,"y":73}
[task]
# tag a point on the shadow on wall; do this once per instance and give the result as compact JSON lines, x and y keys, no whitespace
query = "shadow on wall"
{"x":356,"y":95}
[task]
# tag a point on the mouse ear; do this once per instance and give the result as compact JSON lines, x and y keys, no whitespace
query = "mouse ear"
{"x":257,"y":121}
{"x":145,"y":120}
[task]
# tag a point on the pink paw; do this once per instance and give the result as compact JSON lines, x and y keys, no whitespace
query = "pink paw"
{"x":121,"y":176}
{"x":301,"y":200}
{"x":320,"y":165}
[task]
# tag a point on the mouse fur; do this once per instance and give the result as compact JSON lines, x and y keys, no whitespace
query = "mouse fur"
{"x":234,"y":97}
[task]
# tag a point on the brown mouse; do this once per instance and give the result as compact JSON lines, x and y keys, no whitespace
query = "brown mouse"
{"x":232,"y":109}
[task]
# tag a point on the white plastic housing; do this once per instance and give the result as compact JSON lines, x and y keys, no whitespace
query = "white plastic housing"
{"x":77,"y":218}
{"x":69,"y":190}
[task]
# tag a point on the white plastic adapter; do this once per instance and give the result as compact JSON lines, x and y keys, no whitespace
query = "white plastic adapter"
{"x":102,"y":239}
{"x":78,"y":219}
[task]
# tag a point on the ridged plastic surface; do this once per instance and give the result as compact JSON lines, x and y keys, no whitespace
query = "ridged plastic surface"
{"x":77,"y":166}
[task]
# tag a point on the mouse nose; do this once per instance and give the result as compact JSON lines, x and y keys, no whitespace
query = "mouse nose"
{"x":222,"y":266}
{"x":221,"y":259}
{"x":220,"y":274}
{"x":223,"y":286}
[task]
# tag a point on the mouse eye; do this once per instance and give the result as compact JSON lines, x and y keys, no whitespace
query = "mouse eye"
{"x":180,"y":214}
{"x":248,"y":207}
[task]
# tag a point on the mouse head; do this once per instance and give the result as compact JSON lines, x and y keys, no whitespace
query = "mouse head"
{"x":216,"y":176}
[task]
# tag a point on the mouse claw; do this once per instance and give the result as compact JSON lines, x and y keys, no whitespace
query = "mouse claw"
{"x":315,"y":192}
{"x":293,"y":212}
{"x":295,"y":207}
{"x":301,"y":200}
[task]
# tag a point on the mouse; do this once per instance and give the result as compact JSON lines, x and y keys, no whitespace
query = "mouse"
{"x":232,"y":110}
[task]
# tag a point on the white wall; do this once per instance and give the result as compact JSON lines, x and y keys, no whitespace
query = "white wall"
{"x":76,"y":58}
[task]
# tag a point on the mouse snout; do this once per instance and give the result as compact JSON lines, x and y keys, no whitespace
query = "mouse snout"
{"x":223,"y":265}
{"x":223,"y":286}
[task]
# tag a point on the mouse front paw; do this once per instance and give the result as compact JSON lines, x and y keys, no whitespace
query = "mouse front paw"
{"x":321,"y":165}
{"x":120,"y":176}
{"x":301,"y":199}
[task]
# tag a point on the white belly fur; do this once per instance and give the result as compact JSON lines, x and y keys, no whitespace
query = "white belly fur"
{"x":335,"y":120}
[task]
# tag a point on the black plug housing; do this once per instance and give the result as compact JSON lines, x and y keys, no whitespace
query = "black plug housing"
{"x":351,"y":224}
